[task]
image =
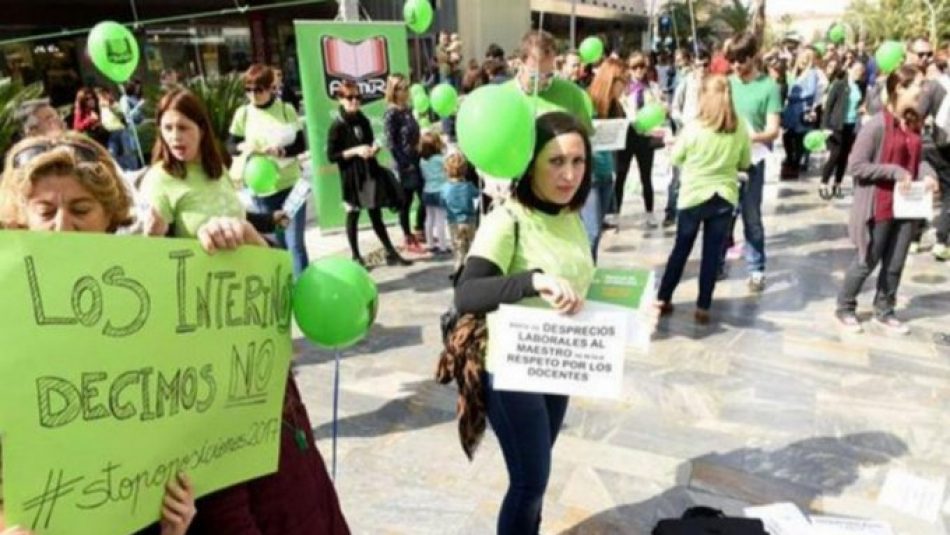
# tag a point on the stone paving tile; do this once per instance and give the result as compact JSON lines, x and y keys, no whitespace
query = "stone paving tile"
{"x":769,"y":402}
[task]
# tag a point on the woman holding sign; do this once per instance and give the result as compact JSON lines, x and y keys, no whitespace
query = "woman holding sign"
{"x":70,"y":183}
{"x":532,"y":247}
{"x":885,"y":161}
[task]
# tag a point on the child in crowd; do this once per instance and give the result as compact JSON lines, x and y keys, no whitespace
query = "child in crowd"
{"x":433,"y":172}
{"x":458,"y":199}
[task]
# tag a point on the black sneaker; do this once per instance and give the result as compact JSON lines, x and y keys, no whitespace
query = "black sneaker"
{"x":393,"y":259}
{"x":837,"y":193}
{"x":669,"y":222}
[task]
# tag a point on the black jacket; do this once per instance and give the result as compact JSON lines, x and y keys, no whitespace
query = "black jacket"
{"x":346,"y":132}
{"x":836,"y":106}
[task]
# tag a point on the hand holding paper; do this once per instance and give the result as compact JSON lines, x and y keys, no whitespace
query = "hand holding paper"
{"x":558,"y":293}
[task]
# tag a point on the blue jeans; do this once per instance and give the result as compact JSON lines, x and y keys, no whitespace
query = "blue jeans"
{"x":715,"y":215}
{"x":595,"y":208}
{"x":526,"y":426}
{"x":750,"y":208}
{"x":672,"y":194}
{"x":292,"y":238}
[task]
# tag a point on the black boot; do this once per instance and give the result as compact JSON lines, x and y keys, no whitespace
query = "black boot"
{"x":393,"y":259}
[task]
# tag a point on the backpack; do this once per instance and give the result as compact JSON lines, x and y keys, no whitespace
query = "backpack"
{"x":464,"y":341}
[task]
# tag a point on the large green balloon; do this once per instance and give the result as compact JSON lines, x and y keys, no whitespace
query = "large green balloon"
{"x":261,"y":174}
{"x":420,"y":103}
{"x":113,"y":50}
{"x":417,"y":89}
{"x":335,"y":302}
{"x":889,"y":56}
{"x":815,"y":140}
{"x":649,"y":117}
{"x":495,"y":128}
{"x":418,"y":15}
{"x":445,"y":99}
{"x":837,"y":34}
{"x":591,"y":50}
{"x":589,"y":104}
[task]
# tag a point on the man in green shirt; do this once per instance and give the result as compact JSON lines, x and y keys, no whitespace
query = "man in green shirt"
{"x":756,"y":99}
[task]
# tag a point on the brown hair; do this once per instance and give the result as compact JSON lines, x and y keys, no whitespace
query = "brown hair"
{"x":99,"y":177}
{"x":539,"y":40}
{"x":82,"y":95}
{"x":430,"y":144}
{"x":259,"y":75}
{"x":455,"y":165}
{"x":393,"y":83}
{"x":742,"y":47}
{"x":548,"y":127}
{"x":601,"y":89}
{"x":903,"y":77}
{"x":639,"y":58}
{"x":187,"y":104}
{"x":346,"y":86}
{"x":715,"y":105}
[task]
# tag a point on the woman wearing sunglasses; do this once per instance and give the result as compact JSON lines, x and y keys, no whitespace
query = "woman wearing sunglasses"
{"x":268,"y":126}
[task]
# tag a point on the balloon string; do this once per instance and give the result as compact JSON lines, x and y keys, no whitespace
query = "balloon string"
{"x":537,"y":78}
{"x":336,"y":404}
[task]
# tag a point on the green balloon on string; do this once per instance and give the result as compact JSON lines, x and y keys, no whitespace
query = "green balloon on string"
{"x":837,"y":33}
{"x":889,"y":56}
{"x":648,"y":118}
{"x":420,"y":103}
{"x":113,"y":50}
{"x":261,"y":175}
{"x":591,"y":50}
{"x":418,"y":15}
{"x":417,"y":89}
{"x":444,"y":99}
{"x":335,"y":302}
{"x":815,"y":140}
{"x":495,"y":129}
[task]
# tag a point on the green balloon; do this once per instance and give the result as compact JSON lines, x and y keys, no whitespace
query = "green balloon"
{"x":418,"y":15}
{"x":113,"y":50}
{"x":261,"y":174}
{"x":420,"y":103}
{"x":591,"y":50}
{"x":837,"y":34}
{"x":820,"y":47}
{"x":335,"y":302}
{"x":889,"y":56}
{"x":445,"y":99}
{"x":495,"y":129}
{"x":589,"y":104}
{"x":815,"y":140}
{"x":649,"y":117}
{"x":417,"y":89}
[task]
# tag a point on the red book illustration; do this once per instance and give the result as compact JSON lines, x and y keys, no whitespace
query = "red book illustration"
{"x":345,"y":59}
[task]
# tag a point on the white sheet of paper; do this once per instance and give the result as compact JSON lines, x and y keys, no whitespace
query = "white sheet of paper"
{"x":917,"y":496}
{"x":759,"y":152}
{"x":539,"y":350}
{"x":610,"y":134}
{"x":833,"y":525}
{"x":781,"y":519}
{"x":918,"y":203}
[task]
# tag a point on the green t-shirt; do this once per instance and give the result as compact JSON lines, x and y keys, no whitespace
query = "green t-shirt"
{"x":555,"y":244}
{"x":562,"y":95}
{"x":276,"y":124}
{"x":709,"y":162}
{"x":190,"y":202}
{"x":756,"y":100}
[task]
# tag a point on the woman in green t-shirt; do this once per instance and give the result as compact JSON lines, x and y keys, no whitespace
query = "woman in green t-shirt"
{"x":533,"y":246}
{"x":187,"y":184}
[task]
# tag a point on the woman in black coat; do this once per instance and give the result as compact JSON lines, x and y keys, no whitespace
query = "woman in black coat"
{"x":841,"y":114}
{"x":366,"y":185}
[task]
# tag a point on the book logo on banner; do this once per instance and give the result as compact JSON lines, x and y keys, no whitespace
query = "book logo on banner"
{"x":365,"y":62}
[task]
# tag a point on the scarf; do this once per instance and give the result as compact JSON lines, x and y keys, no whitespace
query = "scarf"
{"x":901,"y":147}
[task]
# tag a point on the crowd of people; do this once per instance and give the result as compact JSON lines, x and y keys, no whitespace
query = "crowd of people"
{"x":537,"y":240}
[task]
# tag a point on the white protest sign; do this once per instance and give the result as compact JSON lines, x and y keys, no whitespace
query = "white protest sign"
{"x":539,"y":350}
{"x":834,"y":525}
{"x":782,"y":518}
{"x":916,"y":203}
{"x":609,"y":134}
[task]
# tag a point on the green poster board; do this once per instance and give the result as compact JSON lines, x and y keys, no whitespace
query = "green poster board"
{"x":128,"y":359}
{"x":329,"y":53}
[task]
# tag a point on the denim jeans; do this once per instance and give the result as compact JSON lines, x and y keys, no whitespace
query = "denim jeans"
{"x":715,"y":216}
{"x":292,"y":238}
{"x":595,"y":208}
{"x":890,"y":241}
{"x":672,"y":194}
{"x":750,"y":208}
{"x":526,"y":426}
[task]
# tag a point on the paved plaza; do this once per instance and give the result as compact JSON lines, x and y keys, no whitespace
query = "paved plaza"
{"x":770,"y":402}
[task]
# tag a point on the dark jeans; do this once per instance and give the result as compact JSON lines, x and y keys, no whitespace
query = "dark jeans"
{"x":637,"y":147}
{"x":715,"y":216}
{"x":890,"y":241}
{"x":292,"y":237}
{"x":526,"y":426}
{"x":352,"y":231}
{"x":839,"y":146}
{"x":672,"y":194}
{"x":940,"y":161}
{"x":411,"y":194}
{"x":794,"y":149}
{"x":750,"y":208}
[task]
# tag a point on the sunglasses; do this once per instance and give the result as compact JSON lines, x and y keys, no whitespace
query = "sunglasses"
{"x":925,"y":54}
{"x":637,"y":67}
{"x":255,"y":89}
{"x":351,"y":98}
{"x":81,"y":152}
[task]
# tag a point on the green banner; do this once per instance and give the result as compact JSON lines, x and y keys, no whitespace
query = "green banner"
{"x":329,"y":53}
{"x":128,"y":359}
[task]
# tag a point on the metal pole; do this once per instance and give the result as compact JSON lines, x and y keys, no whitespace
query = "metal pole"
{"x":573,"y":24}
{"x":336,"y":406}
{"x":692,"y":22}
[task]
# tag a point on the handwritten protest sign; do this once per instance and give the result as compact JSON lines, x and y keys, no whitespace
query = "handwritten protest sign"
{"x":538,"y":350}
{"x":127,"y":360}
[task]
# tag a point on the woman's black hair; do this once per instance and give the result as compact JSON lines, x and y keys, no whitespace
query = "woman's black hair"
{"x":548,"y":127}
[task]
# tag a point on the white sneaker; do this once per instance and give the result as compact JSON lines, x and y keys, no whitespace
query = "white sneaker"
{"x":651,"y":221}
{"x":757,"y":282}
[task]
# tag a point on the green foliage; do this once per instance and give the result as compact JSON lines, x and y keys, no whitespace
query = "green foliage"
{"x":736,"y":17}
{"x":900,"y":19}
{"x":222,"y":95}
{"x":12,"y":96}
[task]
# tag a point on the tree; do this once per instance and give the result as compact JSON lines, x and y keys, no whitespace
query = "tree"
{"x":900,"y":19}
{"x":736,"y":16}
